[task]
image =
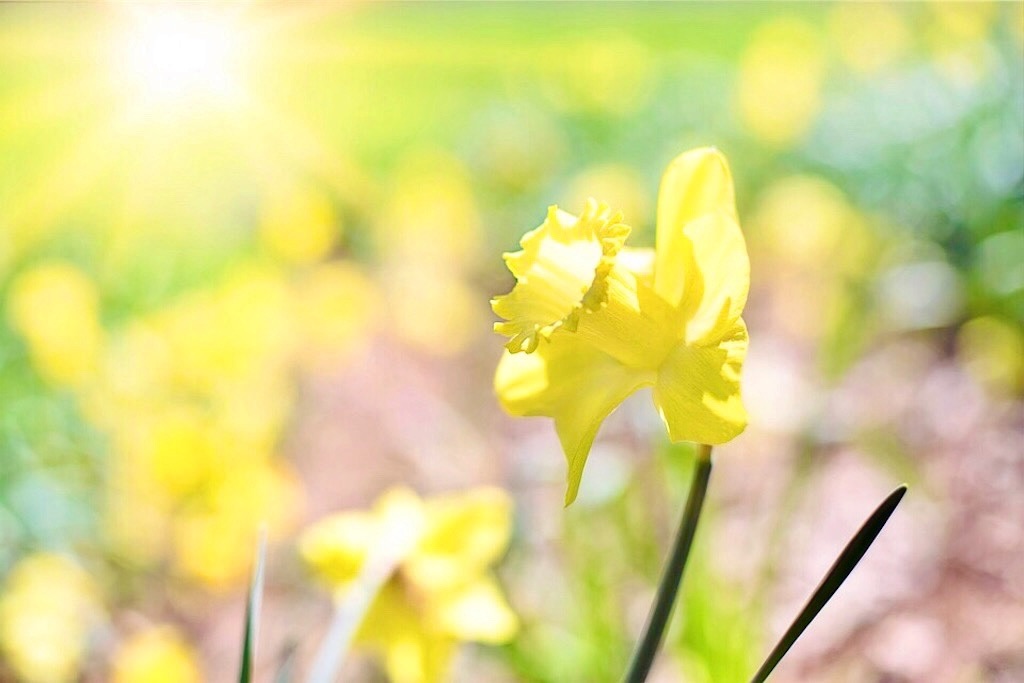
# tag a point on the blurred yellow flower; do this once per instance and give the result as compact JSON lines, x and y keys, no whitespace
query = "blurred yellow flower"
{"x":780,"y":79}
{"x":430,"y":238}
{"x":299,"y":225}
{"x":239,"y":331}
{"x":432,"y":308}
{"x":868,"y":35}
{"x":832,"y":232}
{"x":214,"y":538}
{"x":431,"y":213}
{"x":611,"y":75}
{"x":992,"y":350}
{"x":956,"y":34}
{"x":156,"y":655}
{"x":957,"y":22}
{"x":835,"y":246}
{"x":194,"y":399}
{"x":335,"y":305}
{"x":56,"y":308}
{"x":47,"y":606}
{"x":441,"y":591}
{"x":619,"y":185}
{"x":591,"y":321}
{"x":176,"y":447}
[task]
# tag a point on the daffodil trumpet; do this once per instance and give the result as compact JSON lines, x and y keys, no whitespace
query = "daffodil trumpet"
{"x":591,"y":320}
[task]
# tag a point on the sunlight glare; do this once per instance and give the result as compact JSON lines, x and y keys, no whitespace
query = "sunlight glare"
{"x":177,"y":55}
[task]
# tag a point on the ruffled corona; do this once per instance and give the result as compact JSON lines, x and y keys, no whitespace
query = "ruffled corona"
{"x":561,"y":271}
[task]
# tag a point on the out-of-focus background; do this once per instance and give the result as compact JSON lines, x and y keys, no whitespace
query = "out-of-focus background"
{"x":246,"y":253}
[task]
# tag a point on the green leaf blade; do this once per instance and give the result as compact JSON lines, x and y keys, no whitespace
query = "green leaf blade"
{"x":834,"y":578}
{"x":252,"y":611}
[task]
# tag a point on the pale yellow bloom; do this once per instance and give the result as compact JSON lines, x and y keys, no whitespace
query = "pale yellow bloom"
{"x":869,"y":36}
{"x":299,"y":225}
{"x":430,"y":238}
{"x":47,"y":606}
{"x":335,"y":305}
{"x":619,"y":185}
{"x":239,"y":331}
{"x":591,"y":321}
{"x":156,"y":655}
{"x":56,"y":308}
{"x":611,"y":76}
{"x":431,"y":214}
{"x":779,"y":81}
{"x":213,"y":539}
{"x":441,"y":590}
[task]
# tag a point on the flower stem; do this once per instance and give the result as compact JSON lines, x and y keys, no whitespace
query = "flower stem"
{"x":650,"y":640}
{"x":350,"y":611}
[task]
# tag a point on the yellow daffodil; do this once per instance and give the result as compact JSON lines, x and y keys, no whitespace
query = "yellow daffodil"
{"x":439,"y":590}
{"x":55,"y":306}
{"x":48,"y":606}
{"x":590,"y":320}
{"x":158,"y":654}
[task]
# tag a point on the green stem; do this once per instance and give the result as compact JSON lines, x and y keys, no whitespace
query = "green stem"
{"x":650,"y":640}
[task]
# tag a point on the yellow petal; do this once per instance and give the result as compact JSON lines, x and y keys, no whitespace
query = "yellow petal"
{"x":635,"y":326}
{"x":158,"y":654}
{"x":336,"y":547}
{"x":572,"y":382}
{"x":695,"y":184}
{"x":478,"y":612}
{"x":414,"y":650}
{"x":465,"y":534}
{"x":717,"y":277}
{"x":559,"y":273}
{"x":401,"y":519}
{"x":640,"y":262}
{"x":422,"y":657}
{"x":698,"y":390}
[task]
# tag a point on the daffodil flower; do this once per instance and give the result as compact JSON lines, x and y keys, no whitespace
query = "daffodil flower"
{"x":590,"y":320}
{"x":439,"y":591}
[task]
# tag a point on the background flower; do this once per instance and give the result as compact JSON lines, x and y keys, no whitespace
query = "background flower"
{"x":438,"y":591}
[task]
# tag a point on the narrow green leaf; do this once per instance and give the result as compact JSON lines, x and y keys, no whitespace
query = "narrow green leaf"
{"x":844,"y":564}
{"x":252,"y":611}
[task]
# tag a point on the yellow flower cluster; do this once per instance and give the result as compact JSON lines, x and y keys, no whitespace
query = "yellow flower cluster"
{"x":195,"y":398}
{"x":48,"y":604}
{"x":590,"y":320}
{"x":438,"y":591}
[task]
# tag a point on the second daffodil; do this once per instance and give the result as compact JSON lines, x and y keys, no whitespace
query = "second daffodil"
{"x":590,"y":320}
{"x":438,"y":588}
